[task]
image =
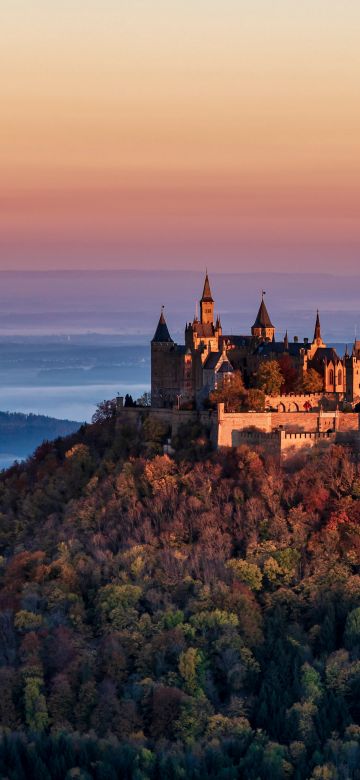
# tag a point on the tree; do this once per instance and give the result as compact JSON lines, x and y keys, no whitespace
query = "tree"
{"x":190,"y":668}
{"x":36,"y":713}
{"x":129,"y":400}
{"x":144,"y":400}
{"x":269,"y":378}
{"x":352,"y":629}
{"x":246,"y":572}
{"x":231,"y":393}
{"x":105,"y":411}
{"x":255,"y":400}
{"x":289,"y":372}
{"x":312,"y":382}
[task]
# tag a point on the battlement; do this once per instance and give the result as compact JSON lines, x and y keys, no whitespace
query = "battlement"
{"x":280,"y":434}
{"x":302,"y":402}
{"x":292,"y":431}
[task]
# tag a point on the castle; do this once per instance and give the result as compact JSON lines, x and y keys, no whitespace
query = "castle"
{"x":184,"y":375}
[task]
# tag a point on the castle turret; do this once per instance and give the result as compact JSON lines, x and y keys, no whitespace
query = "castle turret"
{"x":263,"y":327}
{"x":163,"y":369}
{"x":162,"y":334}
{"x":207,"y":304}
{"x":317,"y":332}
{"x":352,"y":369}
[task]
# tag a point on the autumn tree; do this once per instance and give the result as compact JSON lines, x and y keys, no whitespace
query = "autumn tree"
{"x":312,"y":382}
{"x":231,"y":392}
{"x":289,"y":373}
{"x":254,"y":400}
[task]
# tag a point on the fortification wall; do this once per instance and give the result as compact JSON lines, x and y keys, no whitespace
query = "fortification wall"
{"x":171,"y":417}
{"x":280,"y":434}
{"x":246,"y":421}
{"x":259,"y":441}
{"x":296,"y":429}
{"x":293,"y":443}
{"x":348,"y":422}
{"x":297,"y":422}
{"x":297,"y":402}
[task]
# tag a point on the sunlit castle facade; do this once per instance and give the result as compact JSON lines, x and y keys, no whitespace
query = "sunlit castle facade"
{"x":184,"y":375}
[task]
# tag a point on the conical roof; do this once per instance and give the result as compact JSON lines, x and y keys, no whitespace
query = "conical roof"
{"x":206,"y":296}
{"x":317,"y":331}
{"x":263,"y":320}
{"x":162,"y":332}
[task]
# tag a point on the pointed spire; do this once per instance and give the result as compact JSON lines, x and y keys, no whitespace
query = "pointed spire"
{"x":207,"y":304}
{"x":286,"y":341}
{"x":263,"y":320}
{"x":206,"y":296}
{"x":162,"y":333}
{"x":317,"y":331}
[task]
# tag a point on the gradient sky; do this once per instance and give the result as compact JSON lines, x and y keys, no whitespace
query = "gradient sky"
{"x":180,"y":133}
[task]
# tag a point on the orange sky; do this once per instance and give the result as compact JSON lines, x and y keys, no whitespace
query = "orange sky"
{"x":156,"y":133}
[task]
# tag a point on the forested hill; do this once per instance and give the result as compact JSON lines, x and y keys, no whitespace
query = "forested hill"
{"x":189,"y":617}
{"x":21,"y":433}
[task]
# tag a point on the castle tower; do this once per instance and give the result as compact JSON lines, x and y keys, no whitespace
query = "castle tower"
{"x":163,"y":375}
{"x":263,"y":327}
{"x":162,"y":335}
{"x":207,"y":304}
{"x":352,"y":369}
{"x":317,"y":332}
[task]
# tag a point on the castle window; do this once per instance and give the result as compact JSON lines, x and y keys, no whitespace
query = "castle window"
{"x":331,"y":376}
{"x":340,"y":377}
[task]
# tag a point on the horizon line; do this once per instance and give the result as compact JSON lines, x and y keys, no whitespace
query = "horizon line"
{"x":172,"y":271}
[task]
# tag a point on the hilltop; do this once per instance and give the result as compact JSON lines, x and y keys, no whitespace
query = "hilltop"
{"x":194,"y":616}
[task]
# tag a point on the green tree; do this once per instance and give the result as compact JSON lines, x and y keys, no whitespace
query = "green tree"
{"x":36,"y":713}
{"x":27,"y":621}
{"x":190,"y":668}
{"x":352,"y":629}
{"x":246,"y":572}
{"x":269,"y":378}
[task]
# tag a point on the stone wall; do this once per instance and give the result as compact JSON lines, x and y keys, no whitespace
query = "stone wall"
{"x":296,"y":402}
{"x":229,"y":425}
{"x":280,"y":434}
{"x":258,"y":441}
{"x":296,"y":422}
{"x":293,"y":443}
{"x":174,"y":418}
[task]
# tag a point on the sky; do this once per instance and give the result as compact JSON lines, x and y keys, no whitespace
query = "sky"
{"x":180,"y":134}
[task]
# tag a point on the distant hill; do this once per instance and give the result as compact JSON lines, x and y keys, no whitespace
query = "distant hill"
{"x":20,"y":433}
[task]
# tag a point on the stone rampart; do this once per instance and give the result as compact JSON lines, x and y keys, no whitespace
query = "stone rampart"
{"x":280,"y":433}
{"x":296,"y":430}
{"x":292,"y":443}
{"x":299,"y":402}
